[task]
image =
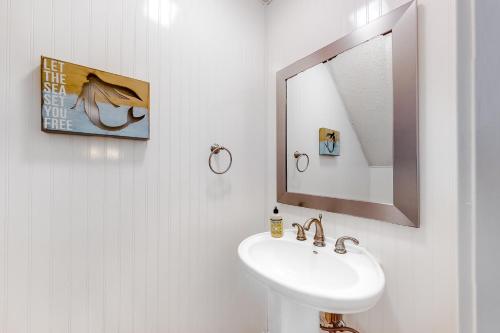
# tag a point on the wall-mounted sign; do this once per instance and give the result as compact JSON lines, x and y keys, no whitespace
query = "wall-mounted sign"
{"x":82,"y":100}
{"x":329,"y":142}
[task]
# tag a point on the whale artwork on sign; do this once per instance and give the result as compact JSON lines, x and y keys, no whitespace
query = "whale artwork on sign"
{"x":82,"y":100}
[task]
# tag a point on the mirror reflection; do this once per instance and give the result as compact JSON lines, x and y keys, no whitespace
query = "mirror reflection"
{"x":340,"y":125}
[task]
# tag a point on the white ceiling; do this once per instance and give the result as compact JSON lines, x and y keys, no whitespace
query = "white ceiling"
{"x":364,"y":80}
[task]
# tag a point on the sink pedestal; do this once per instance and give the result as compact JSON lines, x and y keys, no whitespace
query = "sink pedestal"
{"x":287,"y":316}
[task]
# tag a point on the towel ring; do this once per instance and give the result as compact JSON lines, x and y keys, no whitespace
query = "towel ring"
{"x":214,"y":150}
{"x":297,"y":156}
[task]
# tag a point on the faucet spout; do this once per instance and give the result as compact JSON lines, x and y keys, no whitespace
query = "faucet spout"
{"x":319,"y":236}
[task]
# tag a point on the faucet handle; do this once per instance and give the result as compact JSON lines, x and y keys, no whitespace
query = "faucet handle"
{"x":301,"y":235}
{"x":340,"y":244}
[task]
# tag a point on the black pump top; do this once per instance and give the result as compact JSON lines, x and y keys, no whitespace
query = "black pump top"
{"x":275,"y":211}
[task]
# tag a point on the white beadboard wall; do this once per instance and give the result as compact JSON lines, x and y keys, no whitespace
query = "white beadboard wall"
{"x":420,"y":264}
{"x":107,"y":235}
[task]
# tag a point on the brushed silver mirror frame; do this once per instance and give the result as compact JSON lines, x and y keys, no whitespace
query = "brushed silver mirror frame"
{"x":402,"y":23}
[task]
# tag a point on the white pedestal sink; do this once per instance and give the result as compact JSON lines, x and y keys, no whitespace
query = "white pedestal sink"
{"x":307,"y":279}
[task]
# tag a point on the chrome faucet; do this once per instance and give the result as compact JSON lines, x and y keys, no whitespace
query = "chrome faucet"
{"x":319,"y":236}
{"x":340,"y":246}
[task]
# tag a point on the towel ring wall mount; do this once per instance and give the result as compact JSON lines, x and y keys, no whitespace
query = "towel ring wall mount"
{"x":215,"y":149}
{"x":297,"y":156}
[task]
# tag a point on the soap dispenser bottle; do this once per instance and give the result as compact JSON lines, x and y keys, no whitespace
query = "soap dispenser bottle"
{"x":276,"y":224}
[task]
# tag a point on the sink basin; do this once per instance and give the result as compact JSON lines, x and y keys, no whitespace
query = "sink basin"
{"x":314,"y":276}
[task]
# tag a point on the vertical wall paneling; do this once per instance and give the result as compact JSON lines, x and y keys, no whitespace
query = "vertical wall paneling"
{"x":4,"y":215}
{"x":108,"y":235}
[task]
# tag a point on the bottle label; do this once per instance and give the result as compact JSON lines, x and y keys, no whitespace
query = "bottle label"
{"x":277,"y":229}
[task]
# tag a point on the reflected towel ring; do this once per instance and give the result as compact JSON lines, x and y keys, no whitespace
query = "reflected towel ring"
{"x":214,"y":150}
{"x":297,"y":156}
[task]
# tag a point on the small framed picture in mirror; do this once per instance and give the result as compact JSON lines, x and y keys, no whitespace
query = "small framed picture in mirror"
{"x":329,"y":142}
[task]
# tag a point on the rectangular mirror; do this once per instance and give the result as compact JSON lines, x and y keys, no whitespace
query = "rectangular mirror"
{"x":347,"y":124}
{"x":347,"y":139}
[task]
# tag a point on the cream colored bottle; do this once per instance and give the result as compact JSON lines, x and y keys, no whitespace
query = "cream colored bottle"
{"x":276,"y":224}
